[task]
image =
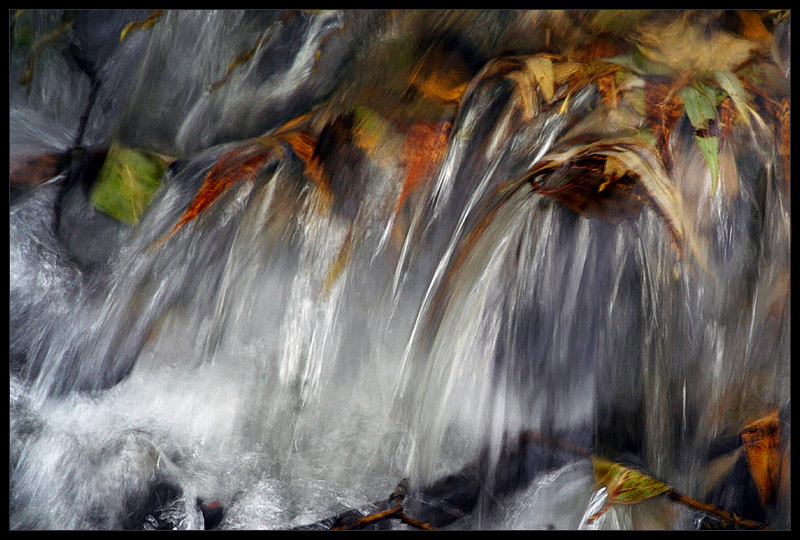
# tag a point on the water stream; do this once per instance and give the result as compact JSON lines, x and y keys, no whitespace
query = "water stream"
{"x":240,"y":361}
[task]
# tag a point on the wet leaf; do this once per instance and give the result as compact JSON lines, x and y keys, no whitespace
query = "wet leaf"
{"x":445,"y":85}
{"x":244,"y":163}
{"x":709,"y":146}
{"x":303,"y":145}
{"x":533,"y":77}
{"x":701,"y":103}
{"x":688,"y":46}
{"x":32,"y":170}
{"x":762,"y":448}
{"x":541,"y":69}
{"x":752,"y":27}
{"x":663,"y":109}
{"x":144,"y":24}
{"x":624,"y":485}
{"x":643,"y":164}
{"x":741,"y":98}
{"x":127,"y":182}
{"x":370,"y":130}
{"x":423,"y":149}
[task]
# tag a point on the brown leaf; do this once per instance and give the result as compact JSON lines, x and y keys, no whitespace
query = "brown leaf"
{"x":664,"y":107}
{"x":304,"y":145}
{"x":752,"y":26}
{"x":624,"y":485}
{"x":762,"y":448}
{"x":32,"y":170}
{"x":144,"y":24}
{"x":424,"y":146}
{"x":687,"y":46}
{"x":645,"y":170}
{"x":244,"y":163}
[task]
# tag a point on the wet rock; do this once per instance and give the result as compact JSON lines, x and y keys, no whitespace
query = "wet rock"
{"x":212,"y":513}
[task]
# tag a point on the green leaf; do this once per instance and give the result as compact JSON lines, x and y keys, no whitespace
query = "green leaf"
{"x":127,"y":183}
{"x":709,"y":146}
{"x":733,"y":87}
{"x":625,"y":485}
{"x":701,"y":103}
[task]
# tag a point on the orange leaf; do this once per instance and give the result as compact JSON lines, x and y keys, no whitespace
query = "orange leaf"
{"x":762,"y":447}
{"x":234,"y":166}
{"x":423,"y":149}
{"x":753,"y":27}
{"x":304,"y":145}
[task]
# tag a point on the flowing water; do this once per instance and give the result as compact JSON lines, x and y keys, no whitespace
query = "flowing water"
{"x":241,"y":361}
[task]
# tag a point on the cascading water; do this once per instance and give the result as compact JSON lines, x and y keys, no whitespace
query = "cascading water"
{"x":311,"y":338}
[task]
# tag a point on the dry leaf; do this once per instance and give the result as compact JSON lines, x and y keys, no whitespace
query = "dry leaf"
{"x":624,"y":485}
{"x":144,"y":24}
{"x":762,"y":448}
{"x":689,"y":47}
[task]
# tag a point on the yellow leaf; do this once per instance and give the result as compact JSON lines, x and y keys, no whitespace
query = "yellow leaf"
{"x":624,"y":485}
{"x":541,"y":70}
{"x":145,"y":24}
{"x":685,"y":46}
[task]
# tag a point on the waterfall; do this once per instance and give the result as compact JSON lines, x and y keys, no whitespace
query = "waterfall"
{"x":401,"y":302}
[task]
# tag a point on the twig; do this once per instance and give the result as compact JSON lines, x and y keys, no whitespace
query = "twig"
{"x":691,"y":502}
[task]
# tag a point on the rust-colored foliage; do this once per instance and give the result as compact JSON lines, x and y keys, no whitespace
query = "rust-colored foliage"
{"x":762,"y":448}
{"x":33,"y":170}
{"x":240,"y":164}
{"x":752,"y":27}
{"x":595,"y":190}
{"x":608,"y":90}
{"x":304,"y":146}
{"x":423,"y":149}
{"x":664,"y":106}
{"x":727,"y":118}
{"x":785,"y":138}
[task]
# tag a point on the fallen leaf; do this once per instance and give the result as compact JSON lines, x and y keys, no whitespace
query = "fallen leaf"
{"x":643,"y":164}
{"x":144,"y":24}
{"x":741,"y":98}
{"x":424,"y":146}
{"x":617,"y":21}
{"x":762,"y":449}
{"x":624,"y":485}
{"x":701,"y":103}
{"x":687,"y":46}
{"x":127,"y":182}
{"x":663,"y":108}
{"x":243,"y":163}
{"x":752,"y":26}
{"x":32,"y":170}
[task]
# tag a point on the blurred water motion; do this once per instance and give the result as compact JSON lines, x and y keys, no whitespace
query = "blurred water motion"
{"x":385,"y":244}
